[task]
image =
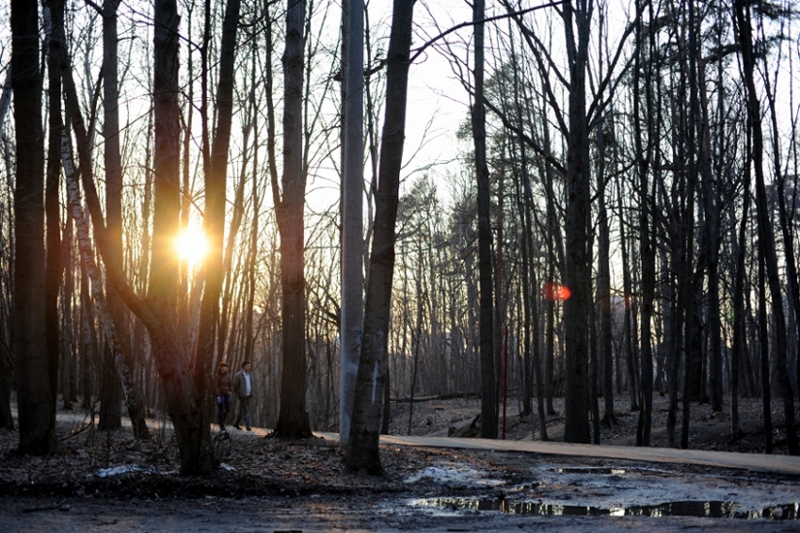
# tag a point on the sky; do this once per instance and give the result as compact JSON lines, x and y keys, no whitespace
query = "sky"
{"x":436,"y":98}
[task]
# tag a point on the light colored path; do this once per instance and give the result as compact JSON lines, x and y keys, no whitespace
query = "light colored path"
{"x":748,"y":461}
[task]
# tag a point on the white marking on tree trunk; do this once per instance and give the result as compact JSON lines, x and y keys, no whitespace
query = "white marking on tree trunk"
{"x":374,"y":381}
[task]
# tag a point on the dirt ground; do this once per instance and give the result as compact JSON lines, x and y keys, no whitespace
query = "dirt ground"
{"x":707,"y":430}
{"x":110,"y":482}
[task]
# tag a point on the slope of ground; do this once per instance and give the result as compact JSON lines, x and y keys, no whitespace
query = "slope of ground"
{"x":708,"y":430}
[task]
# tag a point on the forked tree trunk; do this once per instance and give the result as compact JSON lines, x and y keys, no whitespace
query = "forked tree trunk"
{"x":158,"y":311}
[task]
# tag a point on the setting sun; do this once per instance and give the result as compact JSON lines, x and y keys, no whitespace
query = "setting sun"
{"x":191,"y":245}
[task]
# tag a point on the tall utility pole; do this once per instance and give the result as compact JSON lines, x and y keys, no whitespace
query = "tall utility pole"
{"x":352,"y":181}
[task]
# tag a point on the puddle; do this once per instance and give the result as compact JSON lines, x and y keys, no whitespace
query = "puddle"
{"x":709,"y":509}
{"x":590,"y":470}
{"x":616,"y":490}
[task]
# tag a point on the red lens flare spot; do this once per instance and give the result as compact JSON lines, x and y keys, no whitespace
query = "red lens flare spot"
{"x":556,"y":292}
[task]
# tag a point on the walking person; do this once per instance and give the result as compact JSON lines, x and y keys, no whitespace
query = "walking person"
{"x":222,"y":385}
{"x":243,"y":387}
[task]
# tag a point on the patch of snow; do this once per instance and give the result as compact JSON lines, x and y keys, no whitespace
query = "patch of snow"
{"x":125,"y":469}
{"x":454,"y":476}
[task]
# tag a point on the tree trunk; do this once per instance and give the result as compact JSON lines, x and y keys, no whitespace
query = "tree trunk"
{"x":631,"y":366}
{"x":486,"y":325}
{"x":293,"y":421}
{"x":111,"y":386}
{"x":578,"y":259}
{"x":37,"y":434}
{"x":352,"y":212}
{"x":646,"y":232}
{"x":604,"y":342}
{"x":739,"y":317}
{"x":158,"y":311}
{"x":362,"y":454}
{"x":763,"y":353}
{"x":52,"y":209}
{"x":87,"y":343}
{"x":213,"y":270}
{"x":69,"y":324}
{"x":712,"y":242}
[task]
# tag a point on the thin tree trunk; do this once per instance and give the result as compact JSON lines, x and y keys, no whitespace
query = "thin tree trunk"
{"x":88,"y":344}
{"x":604,"y":286}
{"x":632,"y":369}
{"x":110,"y":386}
{"x":712,"y":238}
{"x":763,"y":350}
{"x":739,"y":317}
{"x":53,"y":267}
{"x":214,"y":216}
{"x":766,"y":237}
{"x":646,"y":236}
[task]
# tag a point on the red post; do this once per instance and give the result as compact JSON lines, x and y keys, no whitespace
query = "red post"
{"x":505,"y":380}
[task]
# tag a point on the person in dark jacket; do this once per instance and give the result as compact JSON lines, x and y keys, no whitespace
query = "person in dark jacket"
{"x":222,"y":385}
{"x":243,"y":387}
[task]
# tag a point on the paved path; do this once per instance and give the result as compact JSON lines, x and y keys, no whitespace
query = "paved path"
{"x":748,"y":461}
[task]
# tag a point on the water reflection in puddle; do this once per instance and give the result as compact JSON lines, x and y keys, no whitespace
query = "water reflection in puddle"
{"x":710,"y":509}
{"x":590,"y":470}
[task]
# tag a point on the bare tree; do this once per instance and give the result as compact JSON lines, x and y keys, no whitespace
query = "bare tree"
{"x":35,"y":398}
{"x":486,"y":334}
{"x":293,"y":419}
{"x":363,"y":454}
{"x":215,"y":203}
{"x":766,"y":235}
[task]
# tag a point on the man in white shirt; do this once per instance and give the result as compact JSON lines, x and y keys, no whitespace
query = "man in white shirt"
{"x":243,"y":387}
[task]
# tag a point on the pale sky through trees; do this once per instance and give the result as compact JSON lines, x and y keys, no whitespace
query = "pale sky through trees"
{"x":436,"y":98}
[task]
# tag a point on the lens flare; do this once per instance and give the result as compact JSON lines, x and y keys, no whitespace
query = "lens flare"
{"x":556,"y":292}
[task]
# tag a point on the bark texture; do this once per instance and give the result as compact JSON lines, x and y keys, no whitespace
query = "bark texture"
{"x":293,"y":421}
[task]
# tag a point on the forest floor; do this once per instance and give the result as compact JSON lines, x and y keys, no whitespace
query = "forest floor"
{"x":107,"y":481}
